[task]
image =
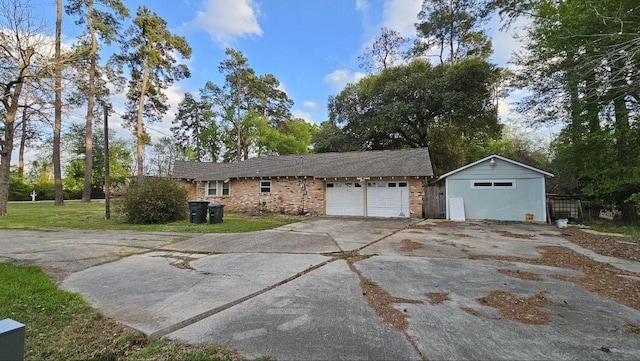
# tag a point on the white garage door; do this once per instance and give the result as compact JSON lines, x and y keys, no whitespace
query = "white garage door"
{"x":388,"y":199}
{"x":345,"y":199}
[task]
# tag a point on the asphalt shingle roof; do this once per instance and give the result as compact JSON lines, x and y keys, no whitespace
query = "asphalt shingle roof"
{"x":381,"y":163}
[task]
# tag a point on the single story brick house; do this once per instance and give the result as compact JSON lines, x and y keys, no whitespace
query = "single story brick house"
{"x":388,"y":183}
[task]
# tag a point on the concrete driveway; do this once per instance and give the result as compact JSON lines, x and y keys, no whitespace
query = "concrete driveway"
{"x":286,"y":293}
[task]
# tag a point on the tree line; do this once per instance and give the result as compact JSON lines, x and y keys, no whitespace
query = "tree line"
{"x":437,"y":90}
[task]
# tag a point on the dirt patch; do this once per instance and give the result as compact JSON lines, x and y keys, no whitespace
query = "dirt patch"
{"x":521,"y":274}
{"x":599,"y":278}
{"x":519,"y":309}
{"x":407,"y":245}
{"x":629,"y":327}
{"x":437,"y":298}
{"x":382,"y":303}
{"x":604,"y":245}
{"x":472,"y":312}
{"x":461,"y":235}
{"x":182,"y":262}
{"x":515,"y":235}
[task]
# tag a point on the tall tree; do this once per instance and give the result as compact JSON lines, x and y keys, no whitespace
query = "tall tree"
{"x":57,"y":127}
{"x":18,"y":43}
{"x":120,"y":158}
{"x":582,"y":61}
{"x":331,"y":138}
{"x":106,"y":23}
{"x":454,"y":29}
{"x":246,"y":96}
{"x":189,"y":123}
{"x":385,"y":52}
{"x":162,"y":154}
{"x":149,"y":54}
{"x":447,"y":108}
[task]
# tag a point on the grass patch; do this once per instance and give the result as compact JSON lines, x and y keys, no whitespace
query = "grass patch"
{"x":631,"y":231}
{"x":74,"y":214}
{"x":62,"y":326}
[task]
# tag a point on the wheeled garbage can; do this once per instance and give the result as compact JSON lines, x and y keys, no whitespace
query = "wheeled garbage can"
{"x":216,"y":212}
{"x":198,"y":211}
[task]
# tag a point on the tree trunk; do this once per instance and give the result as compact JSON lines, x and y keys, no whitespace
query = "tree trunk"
{"x":139,"y":124}
{"x":23,"y":133}
{"x":5,"y":151}
{"x":10,"y":101}
{"x":196,"y":132}
{"x":57,"y":129}
{"x":238,"y":121}
{"x":88,"y":138}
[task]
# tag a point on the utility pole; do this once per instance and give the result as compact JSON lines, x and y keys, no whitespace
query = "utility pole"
{"x":107,"y":176}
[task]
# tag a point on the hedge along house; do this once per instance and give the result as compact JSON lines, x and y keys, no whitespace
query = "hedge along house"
{"x":387,"y":183}
{"x":496,"y":188}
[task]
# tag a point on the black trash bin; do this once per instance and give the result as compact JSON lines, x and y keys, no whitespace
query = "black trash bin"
{"x":198,"y":211}
{"x":216,"y":212}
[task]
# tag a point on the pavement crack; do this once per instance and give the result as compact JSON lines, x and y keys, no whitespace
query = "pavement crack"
{"x":382,"y":302}
{"x":201,"y":316}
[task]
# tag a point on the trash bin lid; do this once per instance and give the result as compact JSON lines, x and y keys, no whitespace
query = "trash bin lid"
{"x":196,"y":201}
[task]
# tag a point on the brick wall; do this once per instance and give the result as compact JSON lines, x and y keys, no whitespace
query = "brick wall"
{"x":416,"y":197}
{"x":285,"y":196}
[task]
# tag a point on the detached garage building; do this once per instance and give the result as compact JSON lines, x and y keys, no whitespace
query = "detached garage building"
{"x":387,"y":183}
{"x":496,"y":188}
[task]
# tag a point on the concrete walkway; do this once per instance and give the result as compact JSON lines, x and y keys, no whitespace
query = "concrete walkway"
{"x":285,"y":293}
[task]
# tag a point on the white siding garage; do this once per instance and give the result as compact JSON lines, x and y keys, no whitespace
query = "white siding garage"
{"x":388,"y":199}
{"x":497,"y":188}
{"x":345,"y":199}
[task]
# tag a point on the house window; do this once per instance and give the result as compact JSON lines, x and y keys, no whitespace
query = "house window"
{"x":265,"y":186}
{"x":392,"y":184}
{"x":494,"y":184}
{"x":329,"y":185}
{"x":226,"y":188}
{"x":212,"y":188}
{"x":402,"y":184}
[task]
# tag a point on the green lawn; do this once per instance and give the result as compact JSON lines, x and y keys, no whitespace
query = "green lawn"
{"x":74,"y":214}
{"x":62,"y":326}
{"x":631,"y":231}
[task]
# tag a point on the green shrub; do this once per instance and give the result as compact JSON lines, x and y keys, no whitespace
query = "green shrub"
{"x":44,"y":190}
{"x":19,"y":189}
{"x":156,"y":200}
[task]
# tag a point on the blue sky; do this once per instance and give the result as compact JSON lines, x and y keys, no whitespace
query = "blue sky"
{"x":311,"y":46}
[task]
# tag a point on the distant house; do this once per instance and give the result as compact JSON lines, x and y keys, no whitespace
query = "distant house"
{"x":387,"y":183}
{"x":496,"y":188}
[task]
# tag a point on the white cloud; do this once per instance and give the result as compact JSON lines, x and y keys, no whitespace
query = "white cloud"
{"x":226,"y":20}
{"x":506,"y":42}
{"x":362,"y":5}
{"x":401,"y":16}
{"x":341,"y":77}
{"x":309,"y":104}
{"x":297,"y":113}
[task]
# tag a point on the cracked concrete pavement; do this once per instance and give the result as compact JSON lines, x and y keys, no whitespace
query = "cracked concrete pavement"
{"x":285,"y":293}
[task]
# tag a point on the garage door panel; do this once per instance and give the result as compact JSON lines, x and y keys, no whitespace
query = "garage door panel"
{"x":344,"y":199}
{"x":388,"y":199}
